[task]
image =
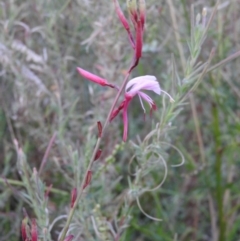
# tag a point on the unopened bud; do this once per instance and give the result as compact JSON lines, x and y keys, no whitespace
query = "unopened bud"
{"x":99,"y":129}
{"x":142,"y":11}
{"x":139,"y":41}
{"x":88,"y":179}
{"x":133,"y":10}
{"x":34,"y":234}
{"x":73,"y":196}
{"x":98,"y":154}
{"x":121,"y":16}
{"x":24,"y":229}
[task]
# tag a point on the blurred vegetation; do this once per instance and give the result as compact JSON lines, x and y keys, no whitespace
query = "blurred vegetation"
{"x":45,"y":104}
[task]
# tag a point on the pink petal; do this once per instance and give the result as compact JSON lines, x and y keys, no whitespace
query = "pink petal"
{"x":139,"y":79}
{"x":146,"y":98}
{"x":147,"y":82}
{"x":94,"y":78}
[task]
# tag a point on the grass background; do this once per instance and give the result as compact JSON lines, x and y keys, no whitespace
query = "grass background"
{"x":42,"y":96}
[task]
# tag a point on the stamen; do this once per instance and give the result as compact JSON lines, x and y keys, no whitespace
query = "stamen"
{"x":170,"y":97}
{"x":142,"y":103}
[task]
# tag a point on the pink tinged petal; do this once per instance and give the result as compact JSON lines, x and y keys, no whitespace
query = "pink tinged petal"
{"x":147,"y":98}
{"x":94,"y":78}
{"x":147,"y":82}
{"x":141,"y":79}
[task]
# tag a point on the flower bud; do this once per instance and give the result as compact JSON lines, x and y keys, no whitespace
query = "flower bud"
{"x":88,"y":179}
{"x":34,"y":233}
{"x":94,"y":78}
{"x":99,"y":129}
{"x":121,"y":16}
{"x":133,"y":11}
{"x":98,"y":154}
{"x":142,"y":11}
{"x":24,"y":228}
{"x":139,"y":41}
{"x":73,"y":196}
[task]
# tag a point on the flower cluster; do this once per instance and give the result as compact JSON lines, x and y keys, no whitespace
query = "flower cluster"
{"x":135,"y":87}
{"x":137,"y":12}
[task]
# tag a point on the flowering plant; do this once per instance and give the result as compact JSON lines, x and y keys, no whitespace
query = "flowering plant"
{"x":135,"y":86}
{"x":149,"y":153}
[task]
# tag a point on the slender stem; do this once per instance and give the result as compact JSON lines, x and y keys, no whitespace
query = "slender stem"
{"x":44,"y":160}
{"x":184,"y":67}
{"x":80,"y":191}
{"x":218,"y":168}
{"x":176,"y":32}
{"x":224,"y":61}
{"x":198,"y":129}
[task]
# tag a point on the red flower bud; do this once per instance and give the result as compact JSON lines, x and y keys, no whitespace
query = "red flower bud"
{"x":115,"y":112}
{"x":124,"y":22}
{"x":98,"y":154}
{"x":94,"y":78}
{"x":139,"y":40}
{"x":73,"y":196}
{"x":142,"y":11}
{"x":88,"y":179}
{"x":24,"y":229}
{"x":99,"y":129}
{"x":34,"y":233}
